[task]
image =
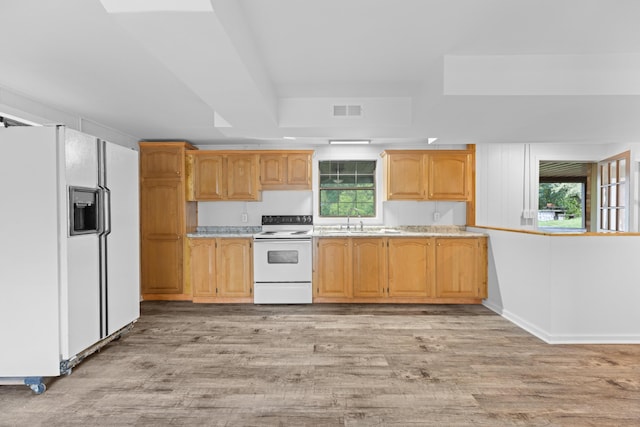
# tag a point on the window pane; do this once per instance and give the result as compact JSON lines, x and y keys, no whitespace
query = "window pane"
{"x":365,"y":180}
{"x":603,"y":219}
{"x":613,"y":220}
{"x":347,"y":188}
{"x":622,"y":170}
{"x":604,"y":174}
{"x":621,"y":220}
{"x":613,"y":173}
{"x":366,"y":167}
{"x":613,"y":193}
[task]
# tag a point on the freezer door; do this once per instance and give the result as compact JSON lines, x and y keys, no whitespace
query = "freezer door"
{"x":29,"y":268}
{"x":123,"y":242}
{"x":80,"y":300}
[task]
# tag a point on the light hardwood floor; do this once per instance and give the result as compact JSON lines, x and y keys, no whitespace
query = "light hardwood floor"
{"x":335,"y":365}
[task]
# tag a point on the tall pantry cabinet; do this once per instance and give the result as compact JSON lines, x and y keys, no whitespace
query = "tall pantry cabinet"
{"x":165,"y":218}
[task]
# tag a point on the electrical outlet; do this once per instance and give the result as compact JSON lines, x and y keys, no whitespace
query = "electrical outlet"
{"x":244,"y":217}
{"x":436,"y":216}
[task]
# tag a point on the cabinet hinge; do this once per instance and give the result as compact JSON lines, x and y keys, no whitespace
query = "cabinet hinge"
{"x":250,"y":291}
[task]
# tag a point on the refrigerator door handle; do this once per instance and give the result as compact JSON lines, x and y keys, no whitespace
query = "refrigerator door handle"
{"x":107,"y":211}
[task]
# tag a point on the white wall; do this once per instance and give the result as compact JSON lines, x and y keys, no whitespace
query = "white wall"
{"x":507,"y":179}
{"x":18,"y":105}
{"x":566,"y":289}
{"x":272,"y":203}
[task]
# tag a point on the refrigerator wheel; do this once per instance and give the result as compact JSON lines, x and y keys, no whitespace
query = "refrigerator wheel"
{"x":35,"y":384}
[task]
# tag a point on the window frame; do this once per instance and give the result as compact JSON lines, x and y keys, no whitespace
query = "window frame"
{"x":352,"y":212}
{"x":608,"y":189}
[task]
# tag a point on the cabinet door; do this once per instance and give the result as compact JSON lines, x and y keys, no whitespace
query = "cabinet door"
{"x":242,"y":177}
{"x":272,"y":170}
{"x":161,"y":265}
{"x":209,"y":177}
{"x":161,"y":162}
{"x":369,"y":267}
{"x":457,"y":267}
{"x":411,"y":267}
{"x":234,"y":267}
{"x":161,"y":220}
{"x":333,"y":270}
{"x":449,"y":176}
{"x":202,"y":257}
{"x":161,"y":208}
{"x":405,"y":176}
{"x":299,"y":171}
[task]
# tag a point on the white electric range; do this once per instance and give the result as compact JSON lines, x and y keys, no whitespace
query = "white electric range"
{"x":282,"y":260}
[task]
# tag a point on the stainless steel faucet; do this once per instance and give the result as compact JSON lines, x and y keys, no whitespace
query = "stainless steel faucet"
{"x":358,"y":211}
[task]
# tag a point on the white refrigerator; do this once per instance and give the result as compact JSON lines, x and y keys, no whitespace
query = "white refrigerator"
{"x":69,"y":249}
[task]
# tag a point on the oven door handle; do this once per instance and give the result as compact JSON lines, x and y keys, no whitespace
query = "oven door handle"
{"x":281,"y":240}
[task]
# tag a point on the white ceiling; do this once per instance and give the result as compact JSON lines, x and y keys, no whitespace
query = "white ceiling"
{"x":465,"y":71}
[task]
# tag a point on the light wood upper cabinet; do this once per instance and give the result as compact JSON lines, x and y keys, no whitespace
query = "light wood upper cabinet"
{"x":428,"y":175}
{"x":209,"y":177}
{"x":332,"y":270}
{"x":449,"y":176}
{"x":411,"y":267}
{"x":242,"y":177}
{"x":458,"y":268}
{"x":299,"y":170}
{"x":405,"y":176}
{"x":285,"y":170}
{"x":369,"y":267}
{"x":218,"y":175}
{"x":273,"y":170}
{"x":164,"y":160}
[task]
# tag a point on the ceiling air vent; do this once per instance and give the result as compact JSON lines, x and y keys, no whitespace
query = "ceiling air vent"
{"x":347,"y":111}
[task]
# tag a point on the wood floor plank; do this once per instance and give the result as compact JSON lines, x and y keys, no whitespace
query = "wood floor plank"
{"x":335,"y":365}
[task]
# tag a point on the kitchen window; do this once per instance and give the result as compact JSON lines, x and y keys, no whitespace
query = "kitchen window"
{"x":347,"y":188}
{"x":612,"y":182}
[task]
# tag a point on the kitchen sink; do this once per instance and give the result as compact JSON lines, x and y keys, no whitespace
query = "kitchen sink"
{"x":365,"y":232}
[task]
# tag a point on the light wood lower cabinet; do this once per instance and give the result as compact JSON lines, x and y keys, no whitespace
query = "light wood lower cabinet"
{"x":402,"y":269}
{"x":369,"y":267}
{"x":221,"y":269}
{"x":458,"y":270}
{"x":411,"y":267}
{"x":332,"y":271}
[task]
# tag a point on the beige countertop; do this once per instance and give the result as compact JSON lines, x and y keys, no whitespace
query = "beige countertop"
{"x":336,"y":231}
{"x":399,"y":231}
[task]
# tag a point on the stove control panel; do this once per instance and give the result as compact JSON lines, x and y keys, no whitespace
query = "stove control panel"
{"x":287,"y":220}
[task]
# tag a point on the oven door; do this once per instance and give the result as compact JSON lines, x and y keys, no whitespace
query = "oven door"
{"x":282,"y":260}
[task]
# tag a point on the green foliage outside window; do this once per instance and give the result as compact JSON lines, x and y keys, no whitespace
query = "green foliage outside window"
{"x":562,"y":195}
{"x":348,"y":188}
